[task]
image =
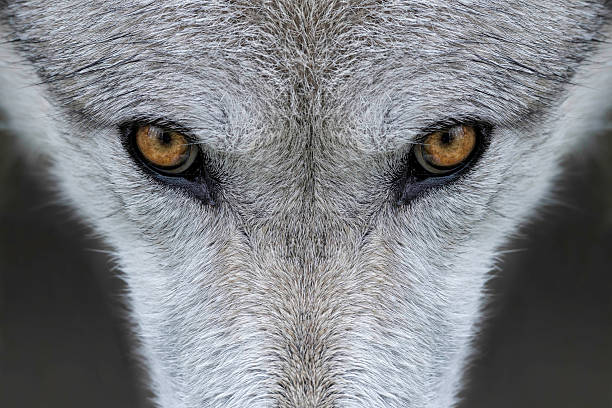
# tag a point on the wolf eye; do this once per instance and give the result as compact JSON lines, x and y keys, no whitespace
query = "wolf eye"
{"x":167,"y":152}
{"x":171,"y":158}
{"x":444,"y":152}
{"x":440,"y":158}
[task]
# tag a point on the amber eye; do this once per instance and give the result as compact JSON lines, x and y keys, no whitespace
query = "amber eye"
{"x":166,"y":151}
{"x":443,"y":152}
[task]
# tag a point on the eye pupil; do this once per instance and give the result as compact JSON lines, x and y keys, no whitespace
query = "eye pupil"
{"x":447,"y":139}
{"x":165,"y":138}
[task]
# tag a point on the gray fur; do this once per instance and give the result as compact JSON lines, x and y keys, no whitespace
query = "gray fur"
{"x":306,"y":286}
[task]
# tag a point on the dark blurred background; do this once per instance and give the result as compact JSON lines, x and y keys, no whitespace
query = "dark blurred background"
{"x":548,"y":342}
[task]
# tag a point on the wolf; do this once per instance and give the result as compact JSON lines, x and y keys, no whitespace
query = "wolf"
{"x":305,"y":197}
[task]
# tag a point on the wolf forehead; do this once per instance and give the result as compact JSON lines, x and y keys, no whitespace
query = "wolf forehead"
{"x":206,"y":64}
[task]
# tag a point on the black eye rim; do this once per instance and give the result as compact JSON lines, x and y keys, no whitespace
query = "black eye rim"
{"x":197,"y":180}
{"x":414,"y":180}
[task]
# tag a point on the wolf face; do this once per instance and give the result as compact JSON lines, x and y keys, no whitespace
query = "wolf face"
{"x":316,"y":252}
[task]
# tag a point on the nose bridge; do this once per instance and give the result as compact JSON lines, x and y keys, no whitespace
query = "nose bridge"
{"x":305,"y":253}
{"x":306,"y":311}
{"x":304,"y":256}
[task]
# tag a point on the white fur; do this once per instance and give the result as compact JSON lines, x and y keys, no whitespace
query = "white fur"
{"x":306,"y":286}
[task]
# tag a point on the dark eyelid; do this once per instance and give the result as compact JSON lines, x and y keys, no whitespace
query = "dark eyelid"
{"x":165,"y":124}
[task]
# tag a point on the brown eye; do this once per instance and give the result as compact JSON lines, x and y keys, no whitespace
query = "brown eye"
{"x":443,"y":152}
{"x":166,"y":151}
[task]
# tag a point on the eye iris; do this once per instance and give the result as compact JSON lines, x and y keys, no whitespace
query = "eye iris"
{"x":162,"y":149}
{"x":449,"y":149}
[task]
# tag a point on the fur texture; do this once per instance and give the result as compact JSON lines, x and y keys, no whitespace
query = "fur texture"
{"x":306,"y":285}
